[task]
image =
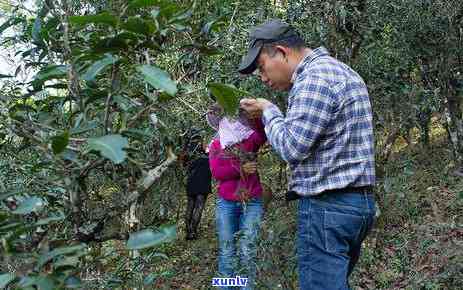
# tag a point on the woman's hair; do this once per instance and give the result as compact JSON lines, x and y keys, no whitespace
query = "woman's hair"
{"x":214,"y":115}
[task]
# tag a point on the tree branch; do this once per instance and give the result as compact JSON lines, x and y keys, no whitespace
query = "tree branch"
{"x":113,"y":88}
{"x":154,"y":174}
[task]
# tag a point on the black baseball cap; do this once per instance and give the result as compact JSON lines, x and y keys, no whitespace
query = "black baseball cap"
{"x":268,"y":32}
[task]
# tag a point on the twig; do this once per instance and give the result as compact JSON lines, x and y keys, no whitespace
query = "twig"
{"x":42,"y":126}
{"x":113,"y":88}
{"x":233,"y":17}
{"x":138,"y":116}
{"x":106,"y":114}
{"x":190,"y":106}
{"x":73,"y":85}
{"x":147,"y":57}
{"x":181,"y":77}
{"x":89,"y":166}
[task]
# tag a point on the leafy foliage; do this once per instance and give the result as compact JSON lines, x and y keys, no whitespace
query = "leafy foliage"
{"x":102,"y":90}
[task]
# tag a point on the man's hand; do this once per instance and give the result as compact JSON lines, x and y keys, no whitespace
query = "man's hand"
{"x":254,"y":107}
{"x":249,"y":168}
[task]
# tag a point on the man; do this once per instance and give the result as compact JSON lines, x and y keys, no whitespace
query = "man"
{"x":327,"y":139}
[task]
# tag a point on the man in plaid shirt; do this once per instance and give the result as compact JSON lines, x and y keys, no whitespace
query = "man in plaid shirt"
{"x":327,"y":139}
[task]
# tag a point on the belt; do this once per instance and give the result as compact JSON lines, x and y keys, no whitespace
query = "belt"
{"x":350,"y":189}
{"x":292,"y":195}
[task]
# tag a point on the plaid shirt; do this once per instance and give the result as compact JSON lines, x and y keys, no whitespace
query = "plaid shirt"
{"x":327,"y":134}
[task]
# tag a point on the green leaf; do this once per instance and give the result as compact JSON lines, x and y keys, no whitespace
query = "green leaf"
{"x":148,"y":280}
{"x":129,"y":38}
{"x":45,"y":283}
{"x":227,"y":96}
{"x":101,"y":18}
{"x":67,"y":262}
{"x":85,"y":127}
{"x":5,"y":195}
{"x":98,"y":66}
{"x":112,"y":44}
{"x":143,"y":3}
{"x":159,"y":255}
{"x":42,"y":283}
{"x":140,"y":26}
{"x":209,"y":50}
{"x":110,"y":146}
{"x":52,"y":218}
{"x":50,"y":25}
{"x":181,"y":16}
{"x":136,"y":133}
{"x":179,"y":27}
{"x":29,"y":205}
{"x":6,"y":279}
{"x":48,"y":73}
{"x":2,"y":76}
{"x":11,"y":226}
{"x":169,"y":10}
{"x":158,"y":78}
{"x":94,"y":95}
{"x":52,"y":71}
{"x":147,"y":238}
{"x":73,"y":283}
{"x":59,"y":142}
{"x":123,"y":102}
{"x":27,"y":281}
{"x":10,"y":22}
{"x":59,"y":252}
{"x":214,"y":25}
{"x":163,"y":97}
{"x":36,"y":29}
{"x":69,"y":155}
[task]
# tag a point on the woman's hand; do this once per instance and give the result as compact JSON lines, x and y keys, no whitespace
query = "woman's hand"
{"x":249,"y":168}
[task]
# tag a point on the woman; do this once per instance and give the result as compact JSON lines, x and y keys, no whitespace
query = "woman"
{"x":232,"y":159}
{"x":198,"y":182}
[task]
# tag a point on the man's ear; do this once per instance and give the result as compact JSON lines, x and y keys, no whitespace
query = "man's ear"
{"x":283,"y":50}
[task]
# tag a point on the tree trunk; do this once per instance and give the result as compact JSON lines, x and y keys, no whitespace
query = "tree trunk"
{"x":389,"y":144}
{"x":454,"y":126}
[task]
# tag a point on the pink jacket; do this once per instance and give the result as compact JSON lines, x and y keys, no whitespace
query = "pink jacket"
{"x":226,"y":169}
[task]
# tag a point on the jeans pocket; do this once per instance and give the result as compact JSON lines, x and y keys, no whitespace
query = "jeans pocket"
{"x":341,"y":231}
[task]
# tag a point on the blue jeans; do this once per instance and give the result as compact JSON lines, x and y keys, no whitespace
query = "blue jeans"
{"x":330,"y":231}
{"x":238,"y":223}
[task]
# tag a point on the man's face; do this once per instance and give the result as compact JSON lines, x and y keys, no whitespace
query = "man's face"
{"x":274,"y":71}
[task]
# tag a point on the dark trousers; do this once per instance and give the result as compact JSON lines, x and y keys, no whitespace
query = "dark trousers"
{"x":194,"y":211}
